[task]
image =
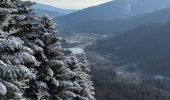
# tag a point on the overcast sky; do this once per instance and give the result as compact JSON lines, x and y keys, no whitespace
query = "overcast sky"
{"x":72,"y":4}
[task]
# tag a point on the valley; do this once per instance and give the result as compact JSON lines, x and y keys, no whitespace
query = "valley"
{"x":126,"y":72}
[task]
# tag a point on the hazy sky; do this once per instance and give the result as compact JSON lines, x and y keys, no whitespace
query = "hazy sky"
{"x":72,"y":4}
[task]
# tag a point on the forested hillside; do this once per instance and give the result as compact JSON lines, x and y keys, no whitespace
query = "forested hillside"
{"x":121,"y":25}
{"x":115,"y":16}
{"x":146,"y":45}
{"x":112,"y":88}
{"x":32,"y":63}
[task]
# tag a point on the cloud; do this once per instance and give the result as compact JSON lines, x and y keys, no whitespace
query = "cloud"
{"x":71,"y":4}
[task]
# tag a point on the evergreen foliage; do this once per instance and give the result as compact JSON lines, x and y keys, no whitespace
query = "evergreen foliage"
{"x":32,"y":65}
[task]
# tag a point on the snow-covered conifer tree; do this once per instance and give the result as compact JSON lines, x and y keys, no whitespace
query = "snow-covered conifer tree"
{"x":79,"y":65}
{"x":55,"y":57}
{"x":16,"y":58}
{"x":42,"y":36}
{"x":32,"y":32}
{"x":32,"y":65}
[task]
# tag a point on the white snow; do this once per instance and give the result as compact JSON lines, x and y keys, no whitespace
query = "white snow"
{"x":55,"y":82}
{"x":3,"y":89}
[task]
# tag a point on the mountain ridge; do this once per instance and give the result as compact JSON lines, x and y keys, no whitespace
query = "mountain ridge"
{"x":42,"y":9}
{"x":52,"y":8}
{"x":108,"y":12}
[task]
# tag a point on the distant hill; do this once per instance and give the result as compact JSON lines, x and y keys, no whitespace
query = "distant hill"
{"x":147,"y":45}
{"x":120,"y":25}
{"x":108,"y":17}
{"x":53,"y":14}
{"x":42,"y":9}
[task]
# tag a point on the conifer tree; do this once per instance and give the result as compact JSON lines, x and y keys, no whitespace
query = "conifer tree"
{"x":55,"y":57}
{"x":43,"y":41}
{"x":32,"y":65}
{"x":34,"y":35}
{"x":40,"y":35}
{"x":15,"y":56}
{"x":79,"y":65}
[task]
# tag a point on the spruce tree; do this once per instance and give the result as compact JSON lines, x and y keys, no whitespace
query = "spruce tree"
{"x":55,"y":57}
{"x":32,"y":65}
{"x":79,"y":65}
{"x":43,"y":39}
{"x":15,"y":56}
